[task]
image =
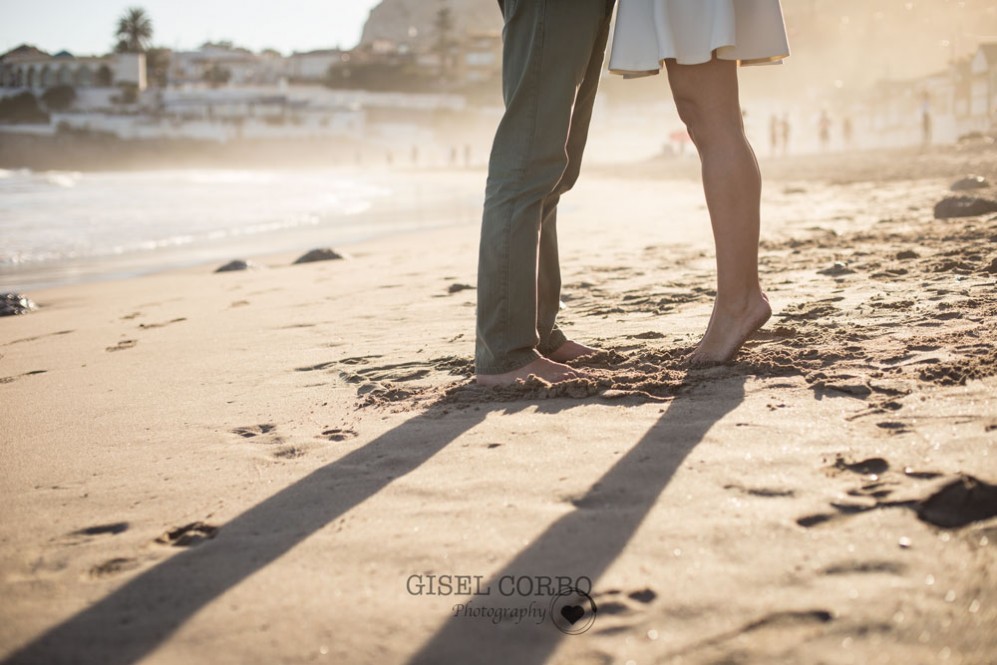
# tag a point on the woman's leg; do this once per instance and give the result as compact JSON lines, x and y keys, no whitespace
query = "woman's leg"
{"x":706,"y":97}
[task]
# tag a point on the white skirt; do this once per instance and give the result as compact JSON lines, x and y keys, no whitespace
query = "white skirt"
{"x":648,"y":32}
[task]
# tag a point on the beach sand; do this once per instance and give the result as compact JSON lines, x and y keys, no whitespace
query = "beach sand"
{"x":282,"y":465}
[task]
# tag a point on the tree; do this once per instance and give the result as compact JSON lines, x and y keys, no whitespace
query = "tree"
{"x":157,"y":66}
{"x":134,"y":31}
{"x":59,"y":97}
{"x":129,"y":94}
{"x":217,"y":75}
{"x":443,"y":46}
{"x":104,"y":77}
{"x":22,"y":108}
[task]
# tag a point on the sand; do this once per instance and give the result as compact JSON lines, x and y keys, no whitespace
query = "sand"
{"x":292,"y":465}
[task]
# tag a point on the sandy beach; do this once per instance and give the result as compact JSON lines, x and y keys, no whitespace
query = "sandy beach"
{"x":293,"y":465}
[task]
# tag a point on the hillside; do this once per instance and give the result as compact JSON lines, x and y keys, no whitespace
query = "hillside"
{"x":411,"y":21}
{"x":835,"y":43}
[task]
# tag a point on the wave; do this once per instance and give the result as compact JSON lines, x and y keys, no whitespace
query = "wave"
{"x":7,"y":174}
{"x":53,"y":217}
{"x":67,"y":179}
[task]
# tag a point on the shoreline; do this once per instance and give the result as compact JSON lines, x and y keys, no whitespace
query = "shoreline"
{"x":404,"y":203}
{"x":838,"y":167}
{"x":95,"y":152}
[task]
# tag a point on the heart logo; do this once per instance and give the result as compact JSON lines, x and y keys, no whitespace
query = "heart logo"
{"x":572,"y":613}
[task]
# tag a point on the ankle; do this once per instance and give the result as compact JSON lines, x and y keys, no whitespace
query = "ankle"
{"x":742,"y":302}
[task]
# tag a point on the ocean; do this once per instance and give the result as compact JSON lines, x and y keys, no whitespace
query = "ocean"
{"x":64,"y":227}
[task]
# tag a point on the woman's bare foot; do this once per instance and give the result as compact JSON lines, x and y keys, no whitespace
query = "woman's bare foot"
{"x":729,"y":328}
{"x":548,"y":370}
{"x":571,"y":351}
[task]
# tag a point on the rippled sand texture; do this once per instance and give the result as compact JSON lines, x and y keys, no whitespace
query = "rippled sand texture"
{"x":252,"y":466}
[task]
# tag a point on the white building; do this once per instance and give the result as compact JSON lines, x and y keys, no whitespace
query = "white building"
{"x":983,"y":86}
{"x":28,"y":68}
{"x":313,"y":65}
{"x":237,"y":66}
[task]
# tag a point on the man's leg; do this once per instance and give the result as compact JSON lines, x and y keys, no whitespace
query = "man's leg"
{"x":548,"y":48}
{"x":549,"y":283}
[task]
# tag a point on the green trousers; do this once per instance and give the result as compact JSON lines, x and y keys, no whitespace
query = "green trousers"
{"x":552,"y":60}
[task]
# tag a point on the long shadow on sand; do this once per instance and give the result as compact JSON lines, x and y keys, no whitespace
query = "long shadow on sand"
{"x":586,"y":541}
{"x":129,"y":623}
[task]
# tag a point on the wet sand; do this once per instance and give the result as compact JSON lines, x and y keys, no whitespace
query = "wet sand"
{"x":279,"y":465}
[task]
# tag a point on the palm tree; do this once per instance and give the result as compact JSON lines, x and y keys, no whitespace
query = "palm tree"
{"x":134,"y":31}
{"x":444,"y":45}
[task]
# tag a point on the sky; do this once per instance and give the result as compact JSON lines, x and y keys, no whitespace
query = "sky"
{"x":86,"y":27}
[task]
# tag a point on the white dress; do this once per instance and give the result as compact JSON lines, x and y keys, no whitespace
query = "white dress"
{"x":648,"y":32}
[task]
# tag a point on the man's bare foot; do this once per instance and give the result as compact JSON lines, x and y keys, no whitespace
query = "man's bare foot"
{"x":728,"y":330}
{"x":571,"y":351}
{"x":548,"y":370}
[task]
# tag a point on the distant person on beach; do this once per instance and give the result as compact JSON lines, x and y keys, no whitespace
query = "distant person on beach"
{"x":824,"y":130}
{"x":701,"y":43}
{"x":774,"y":134}
{"x":846,"y":131}
{"x":925,"y":119}
{"x":552,"y":59}
{"x":786,"y":131}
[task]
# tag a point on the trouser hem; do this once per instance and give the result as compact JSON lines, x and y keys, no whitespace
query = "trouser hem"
{"x":515,"y":361}
{"x":553,"y":343}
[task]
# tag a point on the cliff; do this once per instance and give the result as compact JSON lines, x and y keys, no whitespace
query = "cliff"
{"x":411,"y":21}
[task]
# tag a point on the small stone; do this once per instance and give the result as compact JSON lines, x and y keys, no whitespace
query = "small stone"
{"x":237,"y":264}
{"x":992,"y":268}
{"x":12,"y":304}
{"x":838,"y":268}
{"x":963,"y":206}
{"x":970,"y":182}
{"x":321,"y":254}
{"x":904,"y":542}
{"x":457,"y":288}
{"x":907,"y":254}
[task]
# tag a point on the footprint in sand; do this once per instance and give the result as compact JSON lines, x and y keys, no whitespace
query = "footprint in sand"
{"x":960,"y":502}
{"x":457,"y":287}
{"x":877,"y":490}
{"x":376,"y":385}
{"x":866,"y":467}
{"x":290,"y":452}
{"x":11,"y":379}
{"x":619,"y":603}
{"x":122,"y":345}
{"x":113,"y":567}
{"x":893,"y":427}
{"x":253,"y":431}
{"x":358,"y":360}
{"x":113,"y":528}
{"x":147,"y":326}
{"x":763,"y":492}
{"x":188,"y":535}
{"x":266,"y":434}
{"x":752,"y":639}
{"x":37,"y":337}
{"x":338,"y":434}
{"x":866,"y":568}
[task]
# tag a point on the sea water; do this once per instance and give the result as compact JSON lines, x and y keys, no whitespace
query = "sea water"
{"x":60,"y":227}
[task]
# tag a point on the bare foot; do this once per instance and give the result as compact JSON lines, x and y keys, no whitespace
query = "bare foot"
{"x":728,"y":330}
{"x":548,"y":370}
{"x":571,"y":351}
